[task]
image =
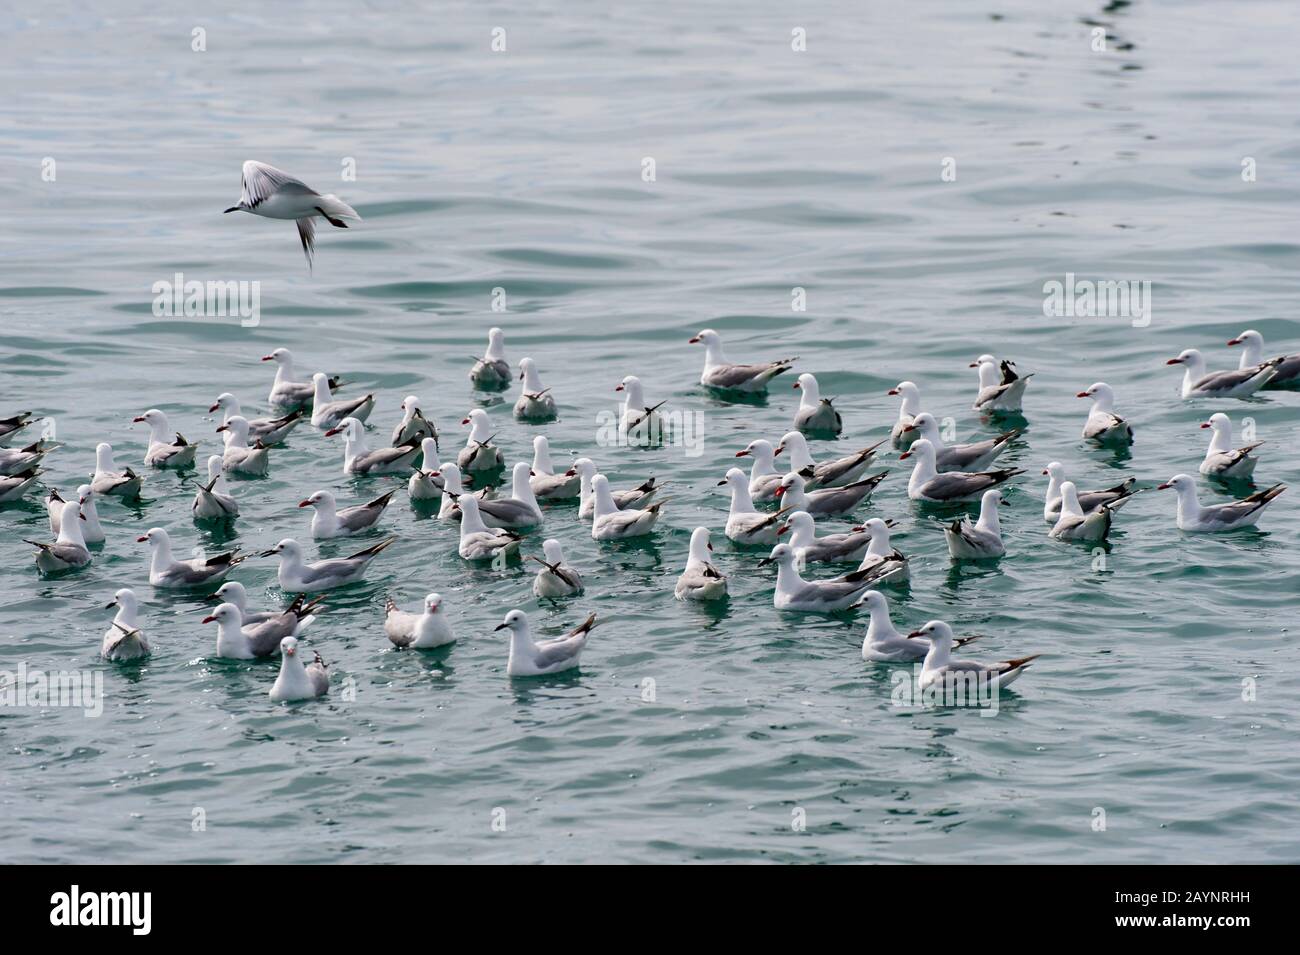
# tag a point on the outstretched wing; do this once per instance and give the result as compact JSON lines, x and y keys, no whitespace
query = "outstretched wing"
{"x":307,"y":233}
{"x":262,"y":181}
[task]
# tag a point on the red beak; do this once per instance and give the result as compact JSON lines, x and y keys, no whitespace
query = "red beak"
{"x":795,"y":385}
{"x":905,"y":455}
{"x":1235,"y":341}
{"x":1044,"y":470}
{"x":892,"y":391}
{"x":304,"y":503}
{"x":141,"y":540}
{"x":138,"y":418}
{"x":572,"y":472}
{"x":464,"y":420}
{"x":742,"y":454}
{"x":782,"y":529}
{"x":1162,"y":487}
{"x":779,"y":491}
{"x":618,"y":387}
{"x":1205,"y":424}
{"x":779,"y":450}
{"x":910,"y":427}
{"x":267,"y":358}
{"x":1082,"y":394}
{"x":291,"y":651}
{"x":693,"y":341}
{"x":224,"y":427}
{"x":209,"y":620}
{"x":213,"y":408}
{"x":1174,"y":361}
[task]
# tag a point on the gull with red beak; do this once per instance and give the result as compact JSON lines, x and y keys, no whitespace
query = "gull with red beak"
{"x":1252,"y":356}
{"x":700,"y":580}
{"x":975,"y":456}
{"x":940,"y":669}
{"x":927,"y":484}
{"x":639,"y":423}
{"x":124,"y":641}
{"x":167,"y":448}
{"x":815,"y":414}
{"x":479,"y":453}
{"x":1221,"y":459}
{"x":535,"y":403}
{"x":908,"y":408}
{"x":287,"y":394}
{"x":329,"y":521}
{"x":239,"y":457}
{"x":425,"y":630}
{"x":1234,"y":515}
{"x":267,"y":430}
{"x":1113,"y":497}
{"x":298,"y":682}
{"x":1103,"y":425}
{"x":722,"y":375}
{"x":1242,"y":383}
{"x":363,"y":462}
{"x":838,"y":472}
{"x":764,"y":478}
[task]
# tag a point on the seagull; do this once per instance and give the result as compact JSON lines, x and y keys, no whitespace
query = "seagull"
{"x":477,"y":540}
{"x":298,"y":682}
{"x":519,"y":511}
{"x":882,"y":553}
{"x":528,"y":658}
{"x":610,"y":523}
{"x":238,"y":457}
{"x":1252,"y":356}
{"x":213,"y":501}
{"x":233,"y":592}
{"x":414,"y":426}
{"x":163,"y":451}
{"x":69,"y":551}
{"x":535,"y":403}
{"x":361,"y":461}
{"x":426,"y":483}
{"x":327,"y":413}
{"x":815,"y":414}
{"x":939,"y":668}
{"x":14,"y":486}
{"x":882,"y":643}
{"x":546,"y":484}
{"x":107,"y":480}
{"x":286,"y":393}
{"x":839,"y":472}
{"x":1003,"y":392}
{"x":275,"y":194}
{"x":927,"y":484}
{"x":418,"y":631}
{"x":124,"y":640}
{"x":982,"y":538}
{"x":24,"y":459}
{"x":452,"y":490}
{"x":744,"y":524}
{"x":479,"y":453}
{"x":700,"y":580}
{"x":724,"y":376}
{"x":818,"y":596}
{"x":1193,"y":516}
{"x":238,"y":639}
{"x":267,"y":430}
{"x":1089,"y":501}
{"x":197,"y":572}
{"x":1242,"y":383}
{"x":328,"y":522}
{"x":492,"y":371}
{"x":960,"y":457}
{"x":639,"y":424}
{"x":1221,"y":459}
{"x":764,"y":478}
{"x":1074,"y":524}
{"x":636,"y":497}
{"x":555,"y":579}
{"x":92,"y":532}
{"x":908,"y":409}
{"x":831,"y":548}
{"x":296,"y":576}
{"x":825,"y":502}
{"x":1103,"y":425}
{"x":13,"y":424}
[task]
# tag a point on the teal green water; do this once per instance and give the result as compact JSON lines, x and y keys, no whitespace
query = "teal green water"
{"x":774,"y":170}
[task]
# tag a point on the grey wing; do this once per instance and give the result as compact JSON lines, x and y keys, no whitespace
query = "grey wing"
{"x":320,"y":680}
{"x":1223,"y":380}
{"x":359,"y":517}
{"x":959,"y":455}
{"x":307,"y":235}
{"x":553,"y":652}
{"x":508,"y":509}
{"x":382,"y":456}
{"x":69,"y":553}
{"x":733,"y":376}
{"x":262,"y":181}
{"x":960,"y":484}
{"x":1233,"y":511}
{"x":264,"y":638}
{"x":992,"y":393}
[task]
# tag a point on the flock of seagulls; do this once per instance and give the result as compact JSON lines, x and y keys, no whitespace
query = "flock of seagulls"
{"x":775,"y":507}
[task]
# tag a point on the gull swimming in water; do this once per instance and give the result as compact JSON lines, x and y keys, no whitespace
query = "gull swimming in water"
{"x":266,"y":430}
{"x":883,"y":643}
{"x":164,"y":452}
{"x":298,"y":682}
{"x":286,"y":393}
{"x":327,"y":413}
{"x":744,"y":524}
{"x":477,"y":540}
{"x":636,"y":497}
{"x":297,"y":576}
{"x":275,"y":194}
{"x":816,"y":596}
{"x":124,"y":640}
{"x":14,"y":486}
{"x":980,"y":539}
{"x":14,"y":461}
{"x":700,"y":580}
{"x":492,"y":371}
{"x":1103,"y":425}
{"x":531,"y":658}
{"x":1241,"y":383}
{"x":850,"y":546}
{"x":239,"y":457}
{"x":908,"y":409}
{"x":1115,"y":497}
{"x":546,"y":484}
{"x":329,"y":521}
{"x":764,"y":478}
{"x":92,"y":532}
{"x":535,"y":403}
{"x":1221,"y":459}
{"x":609,"y":522}
{"x":927,"y":484}
{"x":1074,"y":524}
{"x":233,"y":592}
{"x":238,"y":639}
{"x":724,"y":376}
{"x":999,"y":392}
{"x":940,"y":668}
{"x":881,"y":553}
{"x":838,"y":472}
{"x":1252,"y":356}
{"x":815,"y":414}
{"x":638,"y":423}
{"x":555,"y":579}
{"x":213,"y":500}
{"x":479,"y":453}
{"x":164,"y":571}
{"x":426,"y":483}
{"x":1194,"y":516}
{"x":453,"y":488}
{"x":519,"y":511}
{"x":69,"y":551}
{"x":418,"y":631}
{"x":360,"y":460}
{"x":960,"y":457}
{"x":107,"y":480}
{"x":825,"y":502}
{"x":414,"y":427}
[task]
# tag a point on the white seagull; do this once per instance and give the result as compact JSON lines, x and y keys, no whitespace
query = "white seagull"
{"x":980,"y":539}
{"x":975,"y":456}
{"x":363,"y":462}
{"x":610,"y":523}
{"x":881,"y":553}
{"x":940,"y":668}
{"x":418,"y":631}
{"x":108,"y":480}
{"x":640,"y":424}
{"x":824,"y":502}
{"x":636,"y":497}
{"x":92,"y":532}
{"x":233,"y":592}
{"x":1103,"y":425}
{"x":275,"y":194}
{"x":477,"y":540}
{"x":239,"y":457}
{"x":427,"y":482}
{"x":724,"y":376}
{"x":1002,"y":391}
{"x":555,"y":579}
{"x":815,"y":414}
{"x":838,"y":472}
{"x":1089,"y":501}
{"x":124,"y":640}
{"x":492,"y":371}
{"x":536,"y":403}
{"x":14,"y":486}
{"x":700,"y":580}
{"x":744,"y":524}
{"x":1241,"y":383}
{"x":530,"y":658}
{"x":1221,"y":459}
{"x":479,"y":453}
{"x":266,"y":430}
{"x":16,"y":460}
{"x":816,"y":596}
{"x":240,"y":639}
{"x":329,"y":521}
{"x":908,"y":409}
{"x":850,"y":546}
{"x":1193,"y":516}
{"x":167,"y":448}
{"x":883,"y":643}
{"x":764,"y":478}
{"x":414,"y":426}
{"x":164,"y":571}
{"x":927,"y":484}
{"x":69,"y":551}
{"x":546,"y":484}
{"x":327,"y":413}
{"x":298,"y":682}
{"x":519,"y":511}
{"x":1252,"y":355}
{"x":213,"y":500}
{"x":296,"y":576}
{"x":288,"y":394}
{"x":1074,"y":524}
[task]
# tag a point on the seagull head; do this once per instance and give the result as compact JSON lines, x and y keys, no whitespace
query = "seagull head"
{"x":224,"y":400}
{"x":708,"y":337}
{"x":1054,"y":469}
{"x":1184,"y":356}
{"x":936,"y":630}
{"x":279,"y":356}
{"x":320,"y":497}
{"x":872,"y":600}
{"x":923,"y":423}
{"x":735,"y":477}
{"x":514,"y":622}
{"x":1218,"y":421}
{"x":154,"y":536}
{"x":124,"y":598}
{"x":1249,"y":335}
{"x":921,"y":448}
{"x":287,"y":547}
{"x":224,"y":613}
{"x":350,"y":428}
{"x":289,"y":646}
{"x":781,"y":554}
{"x":432,"y":602}
{"x":1178,"y":482}
{"x":151,"y":417}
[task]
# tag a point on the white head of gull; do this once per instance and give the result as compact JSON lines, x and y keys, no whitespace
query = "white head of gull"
{"x":537,"y":658}
{"x":298,"y":682}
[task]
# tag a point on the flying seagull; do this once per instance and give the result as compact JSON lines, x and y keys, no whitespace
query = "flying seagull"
{"x":275,"y":194}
